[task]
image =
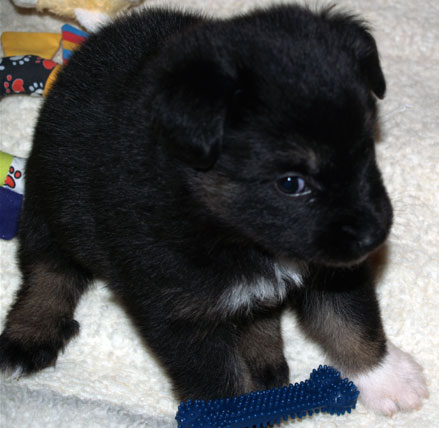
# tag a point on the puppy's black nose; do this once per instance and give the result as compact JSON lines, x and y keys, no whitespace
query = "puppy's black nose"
{"x":370,"y":241}
{"x":366,"y":239}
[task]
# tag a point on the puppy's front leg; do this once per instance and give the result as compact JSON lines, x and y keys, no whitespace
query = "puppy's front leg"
{"x":261,"y":347}
{"x":202,"y":359}
{"x":338,"y":308}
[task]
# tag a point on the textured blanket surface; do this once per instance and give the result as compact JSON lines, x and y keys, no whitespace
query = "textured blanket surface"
{"x":108,"y":378}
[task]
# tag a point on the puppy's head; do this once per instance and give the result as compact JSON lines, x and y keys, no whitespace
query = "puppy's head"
{"x":272,"y":118}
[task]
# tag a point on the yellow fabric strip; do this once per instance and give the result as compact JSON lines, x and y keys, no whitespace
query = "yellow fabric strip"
{"x":51,"y":79}
{"x":5,"y":163}
{"x":70,"y":46}
{"x":16,"y":43}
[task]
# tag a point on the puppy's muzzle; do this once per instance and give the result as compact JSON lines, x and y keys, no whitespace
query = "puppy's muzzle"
{"x":366,"y":239}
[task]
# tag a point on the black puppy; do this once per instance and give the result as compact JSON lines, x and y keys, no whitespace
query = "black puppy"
{"x":210,"y":171}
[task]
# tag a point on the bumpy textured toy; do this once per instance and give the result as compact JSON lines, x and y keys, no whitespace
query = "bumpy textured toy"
{"x":324,"y":391}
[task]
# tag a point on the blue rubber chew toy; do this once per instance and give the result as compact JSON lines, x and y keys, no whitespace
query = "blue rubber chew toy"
{"x":324,"y":391}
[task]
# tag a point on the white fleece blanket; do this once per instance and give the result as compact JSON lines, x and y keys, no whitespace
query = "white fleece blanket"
{"x":107,"y":378}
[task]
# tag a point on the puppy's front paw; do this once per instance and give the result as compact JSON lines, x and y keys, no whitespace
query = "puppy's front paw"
{"x":397,"y":384}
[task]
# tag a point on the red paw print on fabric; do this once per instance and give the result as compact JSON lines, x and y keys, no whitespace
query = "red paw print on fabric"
{"x":16,"y":85}
{"x":12,"y":176}
{"x":47,"y":63}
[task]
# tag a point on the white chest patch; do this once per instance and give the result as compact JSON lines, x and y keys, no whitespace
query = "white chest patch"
{"x":263,"y":292}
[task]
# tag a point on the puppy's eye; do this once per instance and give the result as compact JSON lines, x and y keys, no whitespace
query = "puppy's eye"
{"x":292,"y":185}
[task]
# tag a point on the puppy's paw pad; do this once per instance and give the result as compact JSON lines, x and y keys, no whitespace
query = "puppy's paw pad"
{"x":398,"y":384}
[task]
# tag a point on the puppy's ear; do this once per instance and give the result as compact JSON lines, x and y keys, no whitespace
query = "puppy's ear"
{"x":192,"y":103}
{"x":366,"y":51}
{"x":356,"y":35}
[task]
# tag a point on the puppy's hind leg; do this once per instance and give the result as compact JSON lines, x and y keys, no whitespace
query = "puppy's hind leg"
{"x":40,"y":322}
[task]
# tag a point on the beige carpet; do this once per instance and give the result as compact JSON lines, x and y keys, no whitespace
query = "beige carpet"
{"x":106,"y":377}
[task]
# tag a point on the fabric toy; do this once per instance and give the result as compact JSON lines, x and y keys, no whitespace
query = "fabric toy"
{"x":89,"y":13}
{"x":24,"y":69}
{"x":28,"y":74}
{"x":11,"y":193}
{"x":324,"y":391}
{"x":72,"y":38}
{"x":16,"y":43}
